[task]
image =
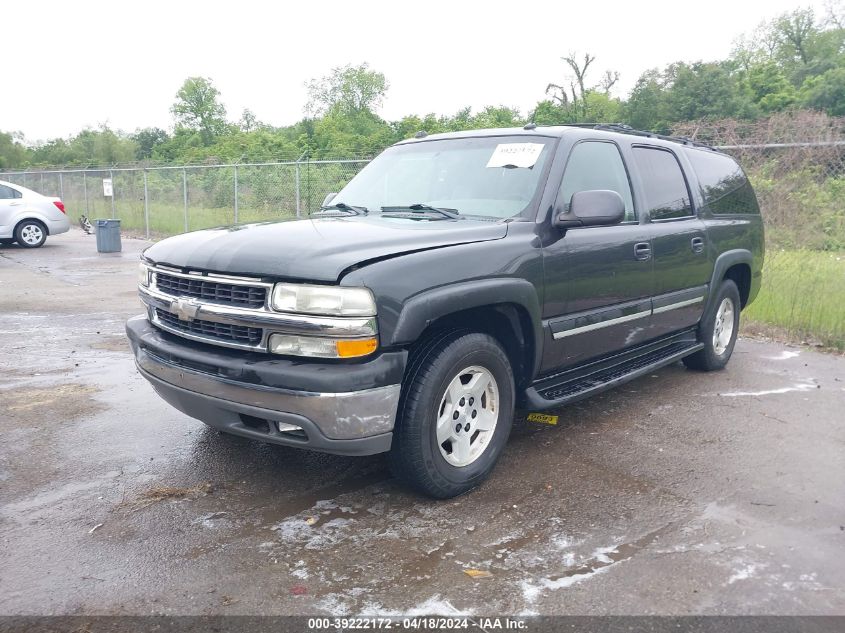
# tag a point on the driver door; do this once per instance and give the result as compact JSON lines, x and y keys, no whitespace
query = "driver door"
{"x":598,"y":280}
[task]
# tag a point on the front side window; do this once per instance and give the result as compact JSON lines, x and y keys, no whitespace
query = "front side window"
{"x":666,"y":192}
{"x":484,"y":177}
{"x":596,"y":165}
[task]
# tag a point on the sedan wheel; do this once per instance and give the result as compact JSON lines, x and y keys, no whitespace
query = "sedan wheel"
{"x":30,"y":234}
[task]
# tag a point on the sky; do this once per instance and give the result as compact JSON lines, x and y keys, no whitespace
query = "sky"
{"x":86,"y":63}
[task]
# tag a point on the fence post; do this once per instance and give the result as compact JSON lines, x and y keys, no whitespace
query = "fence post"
{"x":61,"y":187}
{"x":185,"y":195}
{"x":146,"y":206}
{"x":85,"y":194}
{"x":298,"y":212}
{"x":236,"y":194}
{"x":113,"y":191}
{"x":298,"y":193}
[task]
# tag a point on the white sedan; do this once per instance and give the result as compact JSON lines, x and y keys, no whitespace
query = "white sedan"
{"x":27,"y":217}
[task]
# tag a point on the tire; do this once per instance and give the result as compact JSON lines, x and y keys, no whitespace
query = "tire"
{"x":449,"y":377}
{"x":30,"y":234}
{"x":718,"y":330}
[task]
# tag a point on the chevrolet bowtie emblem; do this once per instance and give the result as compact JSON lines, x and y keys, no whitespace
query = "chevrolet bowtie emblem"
{"x":185,"y":309}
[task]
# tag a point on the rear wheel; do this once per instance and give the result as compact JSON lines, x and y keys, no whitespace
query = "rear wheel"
{"x":30,"y":234}
{"x":455,"y":414}
{"x":718,"y":330}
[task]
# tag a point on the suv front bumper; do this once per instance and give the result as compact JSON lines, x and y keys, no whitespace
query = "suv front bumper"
{"x":348,"y":409}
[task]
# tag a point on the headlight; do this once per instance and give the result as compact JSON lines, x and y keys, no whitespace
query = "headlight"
{"x":324,"y":300}
{"x":143,"y":274}
{"x":319,"y":347}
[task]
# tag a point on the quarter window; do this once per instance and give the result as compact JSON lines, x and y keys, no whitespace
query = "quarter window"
{"x":723,"y":184}
{"x":596,"y":165}
{"x":666,"y":190}
{"x":7,"y":193}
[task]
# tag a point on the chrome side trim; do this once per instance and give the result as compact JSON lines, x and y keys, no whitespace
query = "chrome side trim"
{"x":601,"y":324}
{"x":679,"y":304}
{"x":346,"y":415}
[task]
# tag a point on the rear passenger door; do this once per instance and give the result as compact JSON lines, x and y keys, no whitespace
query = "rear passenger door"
{"x":10,"y":203}
{"x":678,"y":238}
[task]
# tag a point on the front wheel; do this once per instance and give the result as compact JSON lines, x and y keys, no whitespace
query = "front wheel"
{"x":718,"y":330}
{"x":455,"y":414}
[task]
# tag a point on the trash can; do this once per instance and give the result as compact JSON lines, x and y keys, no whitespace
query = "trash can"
{"x":108,"y":236}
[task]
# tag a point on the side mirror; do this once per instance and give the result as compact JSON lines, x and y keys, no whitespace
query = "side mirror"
{"x":599,"y":207}
{"x":328,"y":199}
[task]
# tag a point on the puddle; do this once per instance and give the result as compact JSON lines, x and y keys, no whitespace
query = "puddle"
{"x":784,"y":355}
{"x":804,"y":386}
{"x":600,"y":561}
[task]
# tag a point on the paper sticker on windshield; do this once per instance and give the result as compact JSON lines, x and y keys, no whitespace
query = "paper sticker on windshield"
{"x":515,"y":155}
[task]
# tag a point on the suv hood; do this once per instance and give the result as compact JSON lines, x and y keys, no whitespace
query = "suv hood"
{"x":319,"y":249}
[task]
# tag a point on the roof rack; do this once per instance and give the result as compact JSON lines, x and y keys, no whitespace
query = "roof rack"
{"x":627,"y":129}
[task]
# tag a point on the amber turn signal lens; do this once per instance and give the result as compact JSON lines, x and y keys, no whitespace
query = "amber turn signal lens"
{"x":359,"y":347}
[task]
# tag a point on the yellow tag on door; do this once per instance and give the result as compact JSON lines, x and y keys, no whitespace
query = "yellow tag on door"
{"x":542,"y":418}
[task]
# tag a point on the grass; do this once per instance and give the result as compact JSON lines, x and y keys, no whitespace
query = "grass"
{"x":803,"y":294}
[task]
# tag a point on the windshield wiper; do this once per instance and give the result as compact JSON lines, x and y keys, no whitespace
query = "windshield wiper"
{"x":452,"y":214}
{"x":346,"y":208}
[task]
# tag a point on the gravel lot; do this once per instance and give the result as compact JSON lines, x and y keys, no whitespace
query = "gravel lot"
{"x":678,"y":493}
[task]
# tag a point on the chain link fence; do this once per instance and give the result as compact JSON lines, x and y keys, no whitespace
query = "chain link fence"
{"x":160,"y":201}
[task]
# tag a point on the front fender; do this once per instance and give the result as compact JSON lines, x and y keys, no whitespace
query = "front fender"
{"x":423,"y":309}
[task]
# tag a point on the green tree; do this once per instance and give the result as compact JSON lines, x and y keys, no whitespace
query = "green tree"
{"x":769,"y":87}
{"x":147,"y":139}
{"x":826,"y":92}
{"x":647,"y":107}
{"x":13,"y":153}
{"x":497,"y":116}
{"x":249,"y":122}
{"x":346,"y":89}
{"x":198,"y":108}
{"x":704,"y":90}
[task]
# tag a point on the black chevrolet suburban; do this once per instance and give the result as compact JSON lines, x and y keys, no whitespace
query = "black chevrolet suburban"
{"x":455,"y":278}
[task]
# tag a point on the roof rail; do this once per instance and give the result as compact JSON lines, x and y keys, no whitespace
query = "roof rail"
{"x":621,"y":128}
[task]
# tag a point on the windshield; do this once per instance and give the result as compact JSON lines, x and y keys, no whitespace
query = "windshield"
{"x":490,"y":177}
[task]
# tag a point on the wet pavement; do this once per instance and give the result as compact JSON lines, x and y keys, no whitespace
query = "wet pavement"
{"x":678,"y":493}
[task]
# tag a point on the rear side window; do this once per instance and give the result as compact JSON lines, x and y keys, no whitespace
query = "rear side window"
{"x":7,"y":193}
{"x":666,"y":190}
{"x":596,"y":165}
{"x":724,"y":186}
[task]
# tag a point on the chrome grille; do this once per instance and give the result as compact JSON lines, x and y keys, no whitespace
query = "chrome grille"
{"x":212,"y":291}
{"x":222,"y":331}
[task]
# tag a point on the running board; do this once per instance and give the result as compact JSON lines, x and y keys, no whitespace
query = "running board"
{"x":548,"y":393}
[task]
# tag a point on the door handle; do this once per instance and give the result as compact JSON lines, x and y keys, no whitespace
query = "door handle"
{"x":697,"y":245}
{"x":642,"y":251}
{"x":15,"y":204}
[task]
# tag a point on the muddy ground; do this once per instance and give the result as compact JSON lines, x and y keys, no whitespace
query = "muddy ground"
{"x":679,"y":493}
